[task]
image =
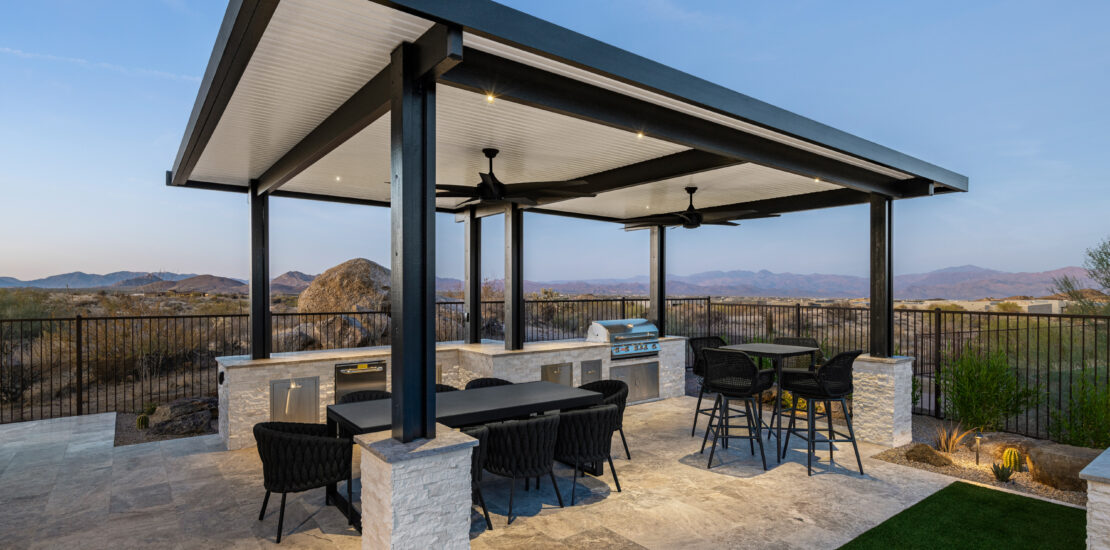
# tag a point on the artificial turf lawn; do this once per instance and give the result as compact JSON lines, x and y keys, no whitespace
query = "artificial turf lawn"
{"x":963,"y":515}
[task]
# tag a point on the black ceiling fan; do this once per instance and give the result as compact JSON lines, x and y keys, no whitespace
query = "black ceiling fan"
{"x":492,"y":190}
{"x":690,"y":218}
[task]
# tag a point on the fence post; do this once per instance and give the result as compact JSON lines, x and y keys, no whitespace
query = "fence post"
{"x":708,"y":316}
{"x":79,"y":365}
{"x":624,"y":303}
{"x":937,"y":328}
{"x":798,"y":319}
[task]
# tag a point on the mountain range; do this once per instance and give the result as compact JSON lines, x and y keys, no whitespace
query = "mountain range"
{"x":966,"y":282}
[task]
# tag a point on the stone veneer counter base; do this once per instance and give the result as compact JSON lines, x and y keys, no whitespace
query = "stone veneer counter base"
{"x":244,"y":390}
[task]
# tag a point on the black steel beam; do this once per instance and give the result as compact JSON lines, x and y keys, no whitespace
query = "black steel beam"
{"x":284,"y":194}
{"x":412,"y":192}
{"x":882,"y":277}
{"x":657,"y":285}
{"x":243,"y":25}
{"x":437,"y":50}
{"x":482,"y":72}
{"x":472,"y":275}
{"x":514,"y":277}
{"x":509,"y":26}
{"x":259,"y":283}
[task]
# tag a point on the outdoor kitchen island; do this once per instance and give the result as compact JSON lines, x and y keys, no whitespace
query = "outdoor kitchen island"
{"x":299,"y":386}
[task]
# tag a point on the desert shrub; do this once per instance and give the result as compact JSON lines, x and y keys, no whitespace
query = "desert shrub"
{"x":949,"y":438}
{"x":915,"y":391}
{"x":1007,"y":307}
{"x":14,"y":381}
{"x":1002,"y":473}
{"x":1086,"y":421}
{"x":981,"y":390}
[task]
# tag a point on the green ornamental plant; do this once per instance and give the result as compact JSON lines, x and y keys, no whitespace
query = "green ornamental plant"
{"x":1011,"y":458}
{"x":981,"y":389}
{"x":1001,"y":472}
{"x":949,"y":438}
{"x":1086,"y":421}
{"x":142,"y":421}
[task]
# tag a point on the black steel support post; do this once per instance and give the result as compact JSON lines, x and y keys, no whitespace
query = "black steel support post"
{"x":412,"y":211}
{"x":260,"y":320}
{"x":472,"y":273}
{"x":882,"y":277}
{"x":514,"y":277}
{"x":657,"y":289}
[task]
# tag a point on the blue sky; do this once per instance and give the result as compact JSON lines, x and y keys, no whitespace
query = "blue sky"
{"x":94,"y":97}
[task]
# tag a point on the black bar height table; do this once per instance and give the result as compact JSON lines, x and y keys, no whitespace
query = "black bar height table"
{"x":776,"y":353}
{"x":455,"y":409}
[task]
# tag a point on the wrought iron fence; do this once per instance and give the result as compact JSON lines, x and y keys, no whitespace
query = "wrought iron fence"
{"x":61,"y":367}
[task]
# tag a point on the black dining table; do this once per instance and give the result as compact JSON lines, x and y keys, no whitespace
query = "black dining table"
{"x":456,"y":409}
{"x":776,"y":353}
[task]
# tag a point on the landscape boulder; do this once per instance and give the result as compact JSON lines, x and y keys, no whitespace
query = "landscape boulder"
{"x":354,"y":285}
{"x":184,"y":416}
{"x":921,"y":452}
{"x":340,"y":332}
{"x":1058,"y":465}
{"x":298,"y":338}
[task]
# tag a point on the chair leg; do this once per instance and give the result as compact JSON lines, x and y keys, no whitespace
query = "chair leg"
{"x":810,"y":431}
{"x":759,"y":435}
{"x":716,"y":430}
{"x":852,"y":435}
{"x":574,"y":485}
{"x":789,"y":430}
{"x":512,"y":489}
{"x":828,"y":418}
{"x":624,"y":441}
{"x":614,"y":470}
{"x":265,"y":501}
{"x":482,"y":501}
{"x":709,"y":426}
{"x":281,"y":518}
{"x":697,"y":410}
{"x":726,"y":412}
{"x":350,"y":501}
{"x":558,"y":495}
{"x":748,"y":418}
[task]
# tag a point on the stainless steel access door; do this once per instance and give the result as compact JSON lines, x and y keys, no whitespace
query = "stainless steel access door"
{"x":642,"y":380}
{"x":295,"y":400}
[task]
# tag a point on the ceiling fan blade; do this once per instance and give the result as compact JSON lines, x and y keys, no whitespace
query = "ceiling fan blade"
{"x":449,"y":194}
{"x":721,"y":223}
{"x":468,"y":202}
{"x":722,"y":215}
{"x":657,"y":219}
{"x":638,"y":226}
{"x":566,"y":193}
{"x":531,"y":186}
{"x":526,"y":201}
{"x":458,"y":189}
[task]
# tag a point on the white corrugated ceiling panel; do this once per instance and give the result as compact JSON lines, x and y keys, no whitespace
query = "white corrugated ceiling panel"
{"x":563,"y":69}
{"x":313,"y":56}
{"x":729,"y":185}
{"x":535,"y":145}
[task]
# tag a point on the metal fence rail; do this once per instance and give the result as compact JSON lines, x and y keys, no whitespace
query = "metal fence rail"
{"x":80,"y":365}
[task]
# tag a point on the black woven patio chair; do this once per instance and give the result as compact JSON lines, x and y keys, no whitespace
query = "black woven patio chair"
{"x":733,"y":375}
{"x":697,"y":345}
{"x":830,"y":382}
{"x":614,"y":392}
{"x":297,"y":457}
{"x":523,"y":449}
{"x":442,"y":388}
{"x":477,"y":463}
{"x":586,"y":437}
{"x":365,"y":395}
{"x":486,"y":383}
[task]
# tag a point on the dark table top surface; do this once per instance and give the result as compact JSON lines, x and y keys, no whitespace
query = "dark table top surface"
{"x":772,"y":349}
{"x":467,"y":407}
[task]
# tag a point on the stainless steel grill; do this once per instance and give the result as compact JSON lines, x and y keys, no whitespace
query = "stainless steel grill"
{"x":627,"y":338}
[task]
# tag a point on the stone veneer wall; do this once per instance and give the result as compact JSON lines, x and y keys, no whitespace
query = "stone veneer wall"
{"x":416,"y":495}
{"x":882,"y":401}
{"x":244,"y":395}
{"x":1097,"y":474}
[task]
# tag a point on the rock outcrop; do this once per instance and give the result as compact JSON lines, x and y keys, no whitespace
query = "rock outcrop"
{"x":354,"y":285}
{"x":1058,"y":465}
{"x":924,"y":453}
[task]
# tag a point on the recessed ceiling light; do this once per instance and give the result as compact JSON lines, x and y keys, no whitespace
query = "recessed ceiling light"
{"x":640,"y":134}
{"x":337,"y":178}
{"x":489,"y":98}
{"x":818,"y":180}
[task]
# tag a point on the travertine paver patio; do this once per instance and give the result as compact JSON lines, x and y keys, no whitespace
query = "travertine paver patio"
{"x":63,"y":484}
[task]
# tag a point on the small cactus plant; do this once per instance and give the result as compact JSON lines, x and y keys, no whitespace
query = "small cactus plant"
{"x":1011,"y":458}
{"x":142,"y":421}
{"x":149,"y":408}
{"x":1002,"y":472}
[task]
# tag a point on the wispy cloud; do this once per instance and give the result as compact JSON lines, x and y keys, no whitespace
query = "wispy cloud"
{"x":129,"y":71}
{"x":671,"y":11}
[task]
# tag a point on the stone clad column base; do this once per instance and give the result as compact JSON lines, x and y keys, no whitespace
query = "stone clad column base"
{"x":416,"y":494}
{"x":882,"y":400}
{"x":1097,"y":475}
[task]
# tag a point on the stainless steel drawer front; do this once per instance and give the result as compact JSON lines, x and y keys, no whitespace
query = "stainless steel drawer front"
{"x":352,"y":377}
